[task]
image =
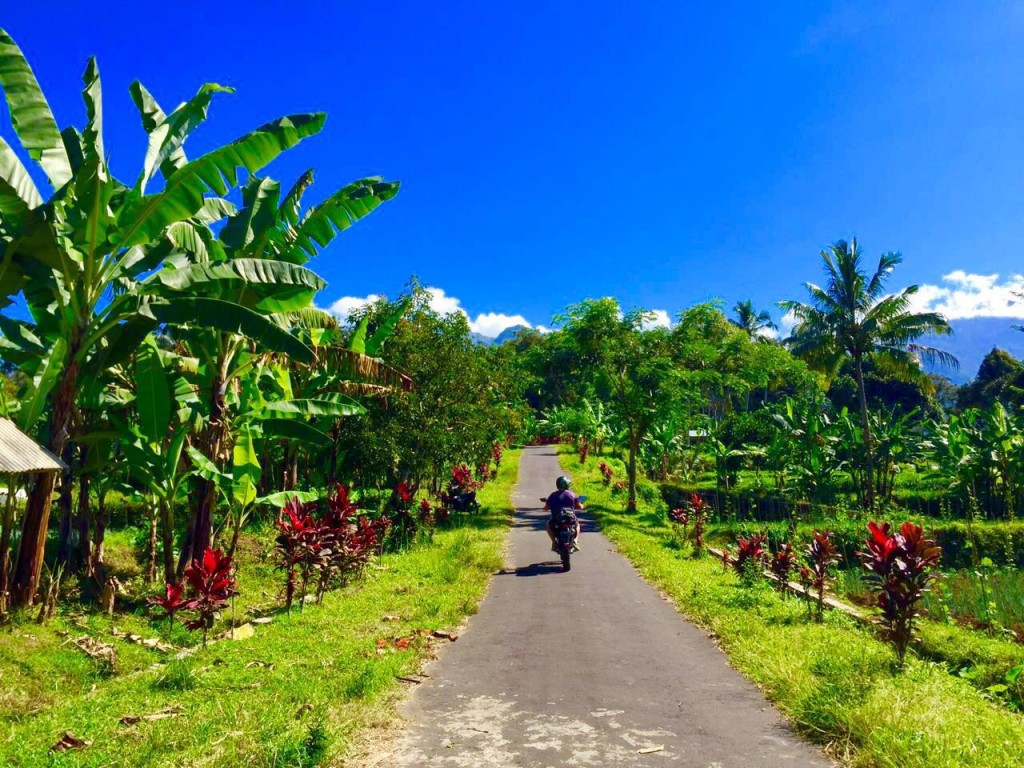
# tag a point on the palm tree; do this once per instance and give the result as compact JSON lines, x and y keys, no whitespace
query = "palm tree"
{"x":853,"y":317}
{"x":750,"y":320}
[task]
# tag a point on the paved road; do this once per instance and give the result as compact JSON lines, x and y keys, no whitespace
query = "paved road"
{"x":586,"y":668}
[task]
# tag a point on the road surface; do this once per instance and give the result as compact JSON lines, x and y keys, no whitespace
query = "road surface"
{"x":586,"y":668}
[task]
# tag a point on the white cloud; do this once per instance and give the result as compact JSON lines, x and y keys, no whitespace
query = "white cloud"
{"x":786,"y":324}
{"x":768,"y":333}
{"x":489,"y":324}
{"x":660,"y":319}
{"x":964,"y":295}
{"x":346,"y":305}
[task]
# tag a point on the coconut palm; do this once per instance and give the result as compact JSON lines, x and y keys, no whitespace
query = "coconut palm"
{"x":853,"y":317}
{"x":750,"y":320}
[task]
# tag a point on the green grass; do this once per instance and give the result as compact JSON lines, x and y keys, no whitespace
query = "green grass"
{"x":836,"y":681}
{"x":299,"y":693}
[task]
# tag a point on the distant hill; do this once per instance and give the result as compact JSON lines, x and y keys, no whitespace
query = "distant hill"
{"x":974,"y":338}
{"x":507,"y":335}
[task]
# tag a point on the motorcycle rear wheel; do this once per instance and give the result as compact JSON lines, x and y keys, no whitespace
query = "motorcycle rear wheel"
{"x":566,"y":554}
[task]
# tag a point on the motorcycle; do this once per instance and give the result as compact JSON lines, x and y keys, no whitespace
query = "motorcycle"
{"x":565,"y":522}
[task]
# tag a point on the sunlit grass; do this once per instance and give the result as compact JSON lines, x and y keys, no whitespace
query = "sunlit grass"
{"x":836,"y":681}
{"x":298,"y":693}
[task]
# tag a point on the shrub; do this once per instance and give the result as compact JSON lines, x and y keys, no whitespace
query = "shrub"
{"x":781,"y":565}
{"x":699,"y":516}
{"x":748,"y":560}
{"x":821,"y":555}
{"x":900,"y":567}
{"x":211,"y":585}
{"x":606,"y":473}
{"x":681,"y":520}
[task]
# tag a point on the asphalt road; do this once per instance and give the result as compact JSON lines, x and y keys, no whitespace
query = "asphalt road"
{"x":586,"y":668}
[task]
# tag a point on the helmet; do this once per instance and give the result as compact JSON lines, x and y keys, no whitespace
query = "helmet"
{"x":562,"y":483}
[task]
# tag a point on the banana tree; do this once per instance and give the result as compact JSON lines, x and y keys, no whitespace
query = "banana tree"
{"x":75,"y":257}
{"x":252,"y":272}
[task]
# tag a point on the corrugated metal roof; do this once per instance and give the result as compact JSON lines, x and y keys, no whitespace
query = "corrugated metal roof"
{"x":20,"y":454}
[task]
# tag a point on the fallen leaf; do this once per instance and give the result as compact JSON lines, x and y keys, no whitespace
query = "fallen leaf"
{"x":414,"y":679}
{"x":263,"y":620}
{"x":391,"y":618}
{"x":263,"y":664}
{"x":68,"y":742}
{"x":649,"y":750}
{"x":440,"y":635}
{"x":307,"y":707}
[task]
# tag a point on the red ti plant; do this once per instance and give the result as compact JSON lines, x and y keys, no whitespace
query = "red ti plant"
{"x":781,"y":565}
{"x":584,"y":450}
{"x":748,"y":560}
{"x":900,"y":567}
{"x":606,"y":473}
{"x":405,"y":525}
{"x":211,"y":585}
{"x":821,"y":555}
{"x":462,"y":479}
{"x":172,"y":602}
{"x":680,"y":518}
{"x":426,"y":512}
{"x":299,"y":536}
{"x":497,"y":451}
{"x":699,"y":518}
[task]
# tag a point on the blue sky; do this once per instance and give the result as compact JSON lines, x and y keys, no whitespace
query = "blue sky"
{"x":661,"y":152}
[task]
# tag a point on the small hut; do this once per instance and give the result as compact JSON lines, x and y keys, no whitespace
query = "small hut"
{"x":19,"y":455}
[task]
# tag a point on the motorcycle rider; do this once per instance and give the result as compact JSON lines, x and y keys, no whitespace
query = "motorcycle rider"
{"x":561,"y":499}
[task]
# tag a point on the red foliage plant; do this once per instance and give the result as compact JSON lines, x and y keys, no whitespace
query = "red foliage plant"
{"x":900,"y":566}
{"x":172,"y":602}
{"x":781,"y":565}
{"x":497,"y":451}
{"x":821,"y":555}
{"x":211,"y":586}
{"x":462,"y":478}
{"x":699,"y":517}
{"x":748,"y":560}
{"x":298,"y":542}
{"x":606,"y":472}
{"x":584,"y":450}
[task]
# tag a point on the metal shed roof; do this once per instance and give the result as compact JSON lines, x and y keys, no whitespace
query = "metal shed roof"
{"x":20,"y":454}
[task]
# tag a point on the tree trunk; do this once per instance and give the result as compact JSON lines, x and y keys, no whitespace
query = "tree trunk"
{"x":5,"y":541}
{"x":200,"y":530}
{"x":869,"y":458}
{"x":98,"y":567}
{"x":167,"y":534}
{"x":154,"y":514}
{"x":64,"y":504}
{"x":631,"y":472}
{"x":37,"y":512}
{"x":84,"y":556}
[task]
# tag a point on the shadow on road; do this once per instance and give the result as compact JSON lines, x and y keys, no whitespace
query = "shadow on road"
{"x":536,"y":569}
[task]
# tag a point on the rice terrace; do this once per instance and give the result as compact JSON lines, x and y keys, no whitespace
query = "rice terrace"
{"x":494,"y":386}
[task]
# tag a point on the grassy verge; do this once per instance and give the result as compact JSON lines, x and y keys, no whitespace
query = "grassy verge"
{"x":835,"y":681}
{"x":295,"y":694}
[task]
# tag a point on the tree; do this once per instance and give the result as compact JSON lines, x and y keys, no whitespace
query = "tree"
{"x":755,"y":323}
{"x":79,"y":259}
{"x":632,"y":366}
{"x":853,"y":317}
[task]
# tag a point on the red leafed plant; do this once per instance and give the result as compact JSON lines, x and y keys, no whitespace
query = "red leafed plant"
{"x":680,"y":519}
{"x":821,"y":555}
{"x":782,"y":564}
{"x":211,"y":585}
{"x":298,"y":544}
{"x":899,"y":566}
{"x":462,"y":479}
{"x":405,"y":525}
{"x":426,"y":512}
{"x":584,"y":450}
{"x":497,"y":451}
{"x":606,"y":473}
{"x":748,"y":560}
{"x":699,"y":518}
{"x":172,"y":602}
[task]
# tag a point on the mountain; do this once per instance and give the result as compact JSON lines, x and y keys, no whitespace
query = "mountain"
{"x":507,"y":335}
{"x":972,"y":339}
